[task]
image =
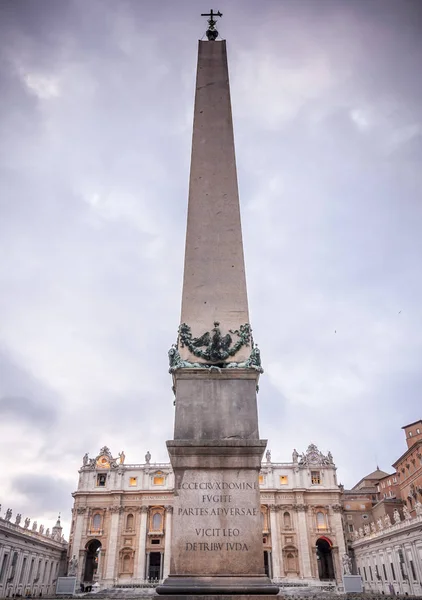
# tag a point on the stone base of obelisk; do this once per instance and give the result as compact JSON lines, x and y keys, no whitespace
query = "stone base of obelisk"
{"x":217,"y":529}
{"x":211,"y":595}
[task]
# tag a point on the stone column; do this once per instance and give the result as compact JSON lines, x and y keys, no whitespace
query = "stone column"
{"x":167,"y":546}
{"x":275,"y":542}
{"x":77,"y":537}
{"x":140,"y":563}
{"x":305,"y":559}
{"x":112,"y":543}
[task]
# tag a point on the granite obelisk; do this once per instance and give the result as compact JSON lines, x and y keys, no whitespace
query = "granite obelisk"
{"x":216,"y":451}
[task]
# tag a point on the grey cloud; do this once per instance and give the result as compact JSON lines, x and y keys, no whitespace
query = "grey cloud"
{"x":28,"y":410}
{"x":96,"y":119}
{"x":43,"y":493}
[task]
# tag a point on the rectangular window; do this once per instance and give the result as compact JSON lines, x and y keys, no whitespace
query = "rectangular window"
{"x":133,"y":481}
{"x":359,"y":571}
{"x":385,"y":571}
{"x":316,"y":477}
{"x":283,"y":480}
{"x":364,"y":574}
{"x":3,"y":566}
{"x":351,"y":528}
{"x":393,"y":571}
{"x":261,"y":480}
{"x":101,"y":479}
{"x":370,"y":572}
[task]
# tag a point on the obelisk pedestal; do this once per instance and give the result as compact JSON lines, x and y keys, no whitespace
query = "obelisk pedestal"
{"x":216,"y":453}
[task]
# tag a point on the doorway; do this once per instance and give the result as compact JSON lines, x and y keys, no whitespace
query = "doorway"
{"x":91,"y":560}
{"x":267,"y":563}
{"x":154,"y":569}
{"x":324,"y":559}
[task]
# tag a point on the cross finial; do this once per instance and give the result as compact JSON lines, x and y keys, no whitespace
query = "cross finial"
{"x":212,"y":33}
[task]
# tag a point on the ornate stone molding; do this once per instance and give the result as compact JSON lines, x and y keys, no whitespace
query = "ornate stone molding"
{"x":81,"y":510}
{"x":313,"y":458}
{"x":300,"y":507}
{"x":144,"y":509}
{"x":169,"y":509}
{"x":116,"y":509}
{"x":337,"y":508}
{"x":218,"y":349}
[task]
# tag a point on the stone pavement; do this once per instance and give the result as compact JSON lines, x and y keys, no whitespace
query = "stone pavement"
{"x":144,"y":593}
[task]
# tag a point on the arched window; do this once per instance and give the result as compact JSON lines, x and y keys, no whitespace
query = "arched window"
{"x":320,"y":519}
{"x":129,"y":522}
{"x":96,"y":522}
{"x":157,"y":520}
{"x":126,"y":563}
{"x":287,"y":520}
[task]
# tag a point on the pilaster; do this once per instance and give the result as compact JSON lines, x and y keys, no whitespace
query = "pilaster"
{"x":140,"y":563}
{"x":305,"y":560}
{"x":167,"y":546}
{"x":275,"y":540}
{"x":112,"y":543}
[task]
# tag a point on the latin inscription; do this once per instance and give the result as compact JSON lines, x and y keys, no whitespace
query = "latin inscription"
{"x":222,"y":538}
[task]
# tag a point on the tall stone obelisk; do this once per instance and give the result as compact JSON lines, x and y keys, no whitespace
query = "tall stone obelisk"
{"x":216,"y":453}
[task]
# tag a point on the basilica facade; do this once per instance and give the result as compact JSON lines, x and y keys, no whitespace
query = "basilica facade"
{"x":122,"y":520}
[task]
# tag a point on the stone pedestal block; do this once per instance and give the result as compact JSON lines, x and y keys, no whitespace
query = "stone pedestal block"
{"x":217,"y":531}
{"x":352,"y":584}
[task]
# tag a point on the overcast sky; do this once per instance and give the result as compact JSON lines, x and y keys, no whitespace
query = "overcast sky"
{"x":96,"y":107}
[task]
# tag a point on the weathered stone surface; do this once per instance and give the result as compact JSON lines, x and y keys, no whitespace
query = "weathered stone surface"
{"x":217,"y":523}
{"x":214,"y":284}
{"x":216,"y":452}
{"x":216,"y":406}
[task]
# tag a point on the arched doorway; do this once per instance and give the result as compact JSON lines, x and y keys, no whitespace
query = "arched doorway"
{"x":91,"y":561}
{"x":325,"y":559}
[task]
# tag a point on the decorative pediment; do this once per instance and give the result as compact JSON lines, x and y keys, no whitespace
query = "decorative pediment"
{"x":103,"y":460}
{"x":314,"y":457}
{"x":158,"y":477}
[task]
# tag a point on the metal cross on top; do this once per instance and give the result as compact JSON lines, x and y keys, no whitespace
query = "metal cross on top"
{"x":212,"y":33}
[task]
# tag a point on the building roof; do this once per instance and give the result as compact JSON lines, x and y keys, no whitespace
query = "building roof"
{"x":408,"y":451}
{"x":375,"y":475}
{"x":410,"y":424}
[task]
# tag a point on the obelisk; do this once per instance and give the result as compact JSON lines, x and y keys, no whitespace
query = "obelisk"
{"x":216,"y":546}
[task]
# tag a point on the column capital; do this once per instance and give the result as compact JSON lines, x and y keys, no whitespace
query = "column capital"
{"x":81,"y":510}
{"x":300,"y":507}
{"x":169,"y":509}
{"x":143,"y":509}
{"x":116,"y":509}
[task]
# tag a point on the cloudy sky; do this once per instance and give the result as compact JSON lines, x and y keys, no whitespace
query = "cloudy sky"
{"x":96,"y":109}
